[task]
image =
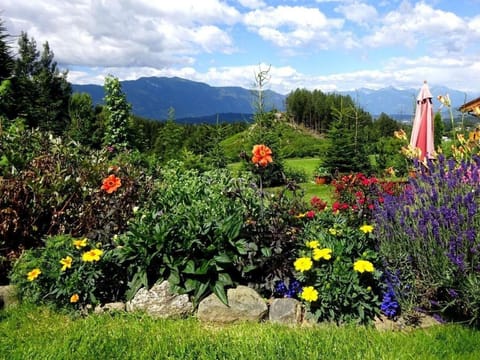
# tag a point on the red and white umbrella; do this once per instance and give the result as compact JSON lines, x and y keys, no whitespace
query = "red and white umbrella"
{"x":422,"y":132}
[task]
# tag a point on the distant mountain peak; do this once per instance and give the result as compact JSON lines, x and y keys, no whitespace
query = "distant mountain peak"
{"x":152,"y":97}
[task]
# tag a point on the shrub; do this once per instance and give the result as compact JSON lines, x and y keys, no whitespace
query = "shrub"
{"x":205,"y":232}
{"x":358,"y":195}
{"x":428,"y":239}
{"x":67,"y":272}
{"x":56,"y":189}
{"x":338,"y":269}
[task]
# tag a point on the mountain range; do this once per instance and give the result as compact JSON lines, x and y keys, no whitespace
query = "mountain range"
{"x":196,"y":102}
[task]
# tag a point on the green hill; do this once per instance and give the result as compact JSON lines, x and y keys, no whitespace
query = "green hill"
{"x":295,"y":142}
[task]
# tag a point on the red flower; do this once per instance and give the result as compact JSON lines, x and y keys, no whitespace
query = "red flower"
{"x":318,"y":203}
{"x":111,"y":184}
{"x":310,"y":214}
{"x":262,"y":155}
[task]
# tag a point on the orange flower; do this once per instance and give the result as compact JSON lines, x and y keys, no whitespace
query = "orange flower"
{"x":74,"y":298}
{"x":262,"y":155}
{"x":111,"y":184}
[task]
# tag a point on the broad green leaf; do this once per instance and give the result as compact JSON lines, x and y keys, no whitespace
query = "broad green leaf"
{"x":219,"y":290}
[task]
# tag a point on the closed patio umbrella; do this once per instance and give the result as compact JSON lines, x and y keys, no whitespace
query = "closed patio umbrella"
{"x":422,"y":132}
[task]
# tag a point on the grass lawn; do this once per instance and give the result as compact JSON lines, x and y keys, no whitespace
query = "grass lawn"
{"x":307,"y":165}
{"x":38,"y":333}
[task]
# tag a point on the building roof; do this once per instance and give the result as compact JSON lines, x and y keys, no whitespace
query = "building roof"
{"x":472,"y":107}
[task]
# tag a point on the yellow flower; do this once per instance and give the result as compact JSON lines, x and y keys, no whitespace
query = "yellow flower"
{"x":325,"y":254}
{"x":301,"y":215}
{"x":400,"y":134}
{"x":313,"y":244}
{"x":332,"y":231}
{"x":66,"y":262}
{"x":74,"y":298}
{"x":32,"y":275}
{"x":92,"y":255}
{"x":366,"y":228}
{"x":303,"y":264}
{"x":309,"y":294}
{"x":80,"y":243}
{"x":363,"y":266}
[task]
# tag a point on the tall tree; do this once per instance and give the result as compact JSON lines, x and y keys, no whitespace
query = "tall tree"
{"x":170,"y":139}
{"x":40,"y":90}
{"x":118,"y":110}
{"x":6,"y":58}
{"x":82,"y":118}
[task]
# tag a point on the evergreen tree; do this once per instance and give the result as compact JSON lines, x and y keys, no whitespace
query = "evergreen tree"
{"x":438,"y":127}
{"x":170,"y":139}
{"x":40,"y":91}
{"x":82,"y":115}
{"x":118,"y":114}
{"x":347,"y":151}
{"x":6,"y":58}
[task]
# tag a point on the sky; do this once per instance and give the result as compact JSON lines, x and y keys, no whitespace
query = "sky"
{"x":329,"y":45}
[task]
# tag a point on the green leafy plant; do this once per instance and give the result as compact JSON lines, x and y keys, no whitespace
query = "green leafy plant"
{"x":338,"y":269}
{"x":188,"y":233}
{"x":67,"y":272}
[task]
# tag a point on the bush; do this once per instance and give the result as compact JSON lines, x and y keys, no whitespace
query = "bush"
{"x":205,"y":232}
{"x":338,"y":269}
{"x":428,"y":239}
{"x":358,"y":195}
{"x":56,"y":189}
{"x":68,"y":272}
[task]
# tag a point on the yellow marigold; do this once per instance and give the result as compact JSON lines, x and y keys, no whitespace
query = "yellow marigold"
{"x":303,"y":264}
{"x":332,"y":231}
{"x":66,"y":263}
{"x":325,"y":254}
{"x":363,"y":266}
{"x":92,"y":255}
{"x":74,"y":298}
{"x":32,"y":275}
{"x":309,"y":294}
{"x":366,"y":228}
{"x":313,"y":244}
{"x":80,"y":243}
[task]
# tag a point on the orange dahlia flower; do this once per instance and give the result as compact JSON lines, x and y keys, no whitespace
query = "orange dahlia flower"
{"x":262,"y":155}
{"x":111,"y":184}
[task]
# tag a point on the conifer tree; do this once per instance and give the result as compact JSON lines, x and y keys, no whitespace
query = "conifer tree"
{"x":40,"y":90}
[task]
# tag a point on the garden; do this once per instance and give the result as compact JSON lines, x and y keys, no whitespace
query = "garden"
{"x":82,"y":227}
{"x":96,"y":204}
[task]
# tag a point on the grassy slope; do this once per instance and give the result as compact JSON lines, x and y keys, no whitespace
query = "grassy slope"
{"x":295,"y":141}
{"x":36,"y":333}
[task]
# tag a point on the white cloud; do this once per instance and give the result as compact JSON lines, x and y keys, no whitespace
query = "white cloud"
{"x":144,"y":33}
{"x":358,"y":12}
{"x":252,"y":4}
{"x":411,"y":25}
{"x":293,"y":26}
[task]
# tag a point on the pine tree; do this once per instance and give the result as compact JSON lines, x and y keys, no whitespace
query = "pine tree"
{"x":40,"y":90}
{"x":82,"y":118}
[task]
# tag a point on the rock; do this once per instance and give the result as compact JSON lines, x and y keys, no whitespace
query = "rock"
{"x":160,"y":302}
{"x":110,"y":307}
{"x":285,"y":311}
{"x":244,"y":304}
{"x":8,"y":296}
{"x":402,"y":324}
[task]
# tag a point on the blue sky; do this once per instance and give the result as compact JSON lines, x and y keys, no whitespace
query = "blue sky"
{"x":328,"y":45}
